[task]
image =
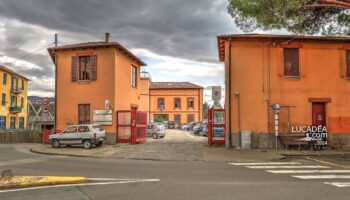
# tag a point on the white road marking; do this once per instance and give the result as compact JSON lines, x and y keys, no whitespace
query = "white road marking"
{"x":265,"y":163}
{"x":21,"y":161}
{"x":117,"y":181}
{"x":323,"y":176}
{"x":306,"y":171}
{"x":339,"y":184}
{"x":288,"y":167}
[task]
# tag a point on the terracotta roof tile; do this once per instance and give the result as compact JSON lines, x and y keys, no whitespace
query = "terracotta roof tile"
{"x":174,"y":85}
{"x":91,"y":45}
{"x":12,"y":72}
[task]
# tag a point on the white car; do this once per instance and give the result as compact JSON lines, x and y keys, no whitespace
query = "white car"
{"x":85,"y":134}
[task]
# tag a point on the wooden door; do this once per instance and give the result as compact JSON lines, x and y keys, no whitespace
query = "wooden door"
{"x":318,"y":114}
{"x":84,"y":113}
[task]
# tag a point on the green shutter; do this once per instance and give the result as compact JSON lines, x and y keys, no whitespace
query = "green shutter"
{"x":3,"y":100}
{"x":4,"y":78}
{"x":22,"y":102}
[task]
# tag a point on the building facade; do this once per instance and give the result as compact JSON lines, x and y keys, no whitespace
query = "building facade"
{"x":180,"y":102}
{"x":13,"y":107}
{"x":307,"y":76}
{"x":93,"y":81}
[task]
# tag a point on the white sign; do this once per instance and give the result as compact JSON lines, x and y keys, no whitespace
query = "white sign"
{"x":216,"y":93}
{"x":107,"y":104}
{"x":103,"y":117}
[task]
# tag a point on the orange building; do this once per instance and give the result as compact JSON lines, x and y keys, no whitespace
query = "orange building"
{"x":307,"y":76}
{"x":93,"y":81}
{"x":176,"y":101}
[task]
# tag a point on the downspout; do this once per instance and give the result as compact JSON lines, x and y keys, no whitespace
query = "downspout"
{"x":229,"y":136}
{"x":269,"y":92}
{"x":56,"y":41}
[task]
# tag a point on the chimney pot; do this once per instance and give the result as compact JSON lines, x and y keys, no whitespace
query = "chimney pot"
{"x":107,"y":35}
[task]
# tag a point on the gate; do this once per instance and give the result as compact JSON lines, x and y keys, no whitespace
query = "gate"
{"x":131,"y":126}
{"x":216,"y":126}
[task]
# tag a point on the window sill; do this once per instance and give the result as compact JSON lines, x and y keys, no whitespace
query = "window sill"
{"x":292,"y":77}
{"x":84,"y":81}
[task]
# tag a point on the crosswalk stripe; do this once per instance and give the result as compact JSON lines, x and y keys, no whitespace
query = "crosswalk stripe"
{"x":323,"y":176}
{"x":339,"y":184}
{"x":288,"y":167}
{"x":265,"y":163}
{"x":306,"y":171}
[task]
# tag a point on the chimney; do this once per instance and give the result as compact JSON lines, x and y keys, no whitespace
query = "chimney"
{"x":107,"y":37}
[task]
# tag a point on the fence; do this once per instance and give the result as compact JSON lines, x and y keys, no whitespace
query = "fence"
{"x":20,"y":136}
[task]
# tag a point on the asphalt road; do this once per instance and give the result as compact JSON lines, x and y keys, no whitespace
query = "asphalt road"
{"x":159,"y":180}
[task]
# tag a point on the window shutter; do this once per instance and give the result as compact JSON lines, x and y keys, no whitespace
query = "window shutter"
{"x":295,"y":61}
{"x":75,"y":62}
{"x":347,"y":63}
{"x":291,"y":62}
{"x":93,"y":61}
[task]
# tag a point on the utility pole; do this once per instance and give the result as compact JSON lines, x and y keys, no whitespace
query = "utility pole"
{"x":56,"y":40}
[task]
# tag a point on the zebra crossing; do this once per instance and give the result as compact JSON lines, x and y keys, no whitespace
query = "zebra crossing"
{"x":303,"y":171}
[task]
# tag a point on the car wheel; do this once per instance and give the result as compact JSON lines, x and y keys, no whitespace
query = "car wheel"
{"x":87,"y":144}
{"x":155,"y":136}
{"x":55,"y":144}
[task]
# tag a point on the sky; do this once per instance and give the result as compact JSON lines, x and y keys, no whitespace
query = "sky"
{"x":176,"y":38}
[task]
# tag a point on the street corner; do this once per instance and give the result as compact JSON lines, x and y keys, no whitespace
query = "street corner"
{"x":9,"y":181}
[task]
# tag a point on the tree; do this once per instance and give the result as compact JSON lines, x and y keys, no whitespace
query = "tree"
{"x":205,"y":110}
{"x":328,"y":17}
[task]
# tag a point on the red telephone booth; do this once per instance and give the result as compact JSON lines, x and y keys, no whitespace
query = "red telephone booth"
{"x":131,"y":126}
{"x":216,"y":126}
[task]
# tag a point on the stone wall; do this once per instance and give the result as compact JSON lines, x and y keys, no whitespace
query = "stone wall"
{"x":20,"y":136}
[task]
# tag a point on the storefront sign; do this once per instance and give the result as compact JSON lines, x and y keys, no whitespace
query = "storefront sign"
{"x":103,"y":117}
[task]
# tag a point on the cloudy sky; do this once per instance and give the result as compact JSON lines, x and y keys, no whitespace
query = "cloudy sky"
{"x":176,"y":38}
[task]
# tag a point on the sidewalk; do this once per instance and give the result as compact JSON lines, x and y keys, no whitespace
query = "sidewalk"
{"x":180,"y":152}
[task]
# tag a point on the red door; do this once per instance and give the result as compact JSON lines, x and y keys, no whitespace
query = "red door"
{"x":318,"y":114}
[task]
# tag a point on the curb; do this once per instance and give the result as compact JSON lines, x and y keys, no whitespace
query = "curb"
{"x":315,"y":154}
{"x":61,"y":154}
{"x":33,"y":181}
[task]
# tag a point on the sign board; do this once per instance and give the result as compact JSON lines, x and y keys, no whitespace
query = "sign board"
{"x":45,"y":101}
{"x":106,"y":104}
{"x":103,"y":117}
{"x":216,"y":93}
{"x":45,"y":108}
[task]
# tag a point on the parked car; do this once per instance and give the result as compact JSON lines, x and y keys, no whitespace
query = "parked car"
{"x":155,"y":130}
{"x":217,"y":131}
{"x":204,"y":131}
{"x":171,"y":125}
{"x":185,"y":127}
{"x":85,"y":134}
{"x":197,"y":128}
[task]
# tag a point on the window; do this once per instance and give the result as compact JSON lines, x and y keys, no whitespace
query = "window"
{"x":84,"y":113}
{"x":13,"y":101}
{"x":291,"y":62}
{"x":177,"y":118}
{"x":177,"y":103}
{"x":83,"y":129}
{"x":190,"y":118}
{"x":347,"y":63}
{"x":22,"y":102}
{"x":3,"y":99}
{"x":133,"y":76}
{"x":22,"y":84}
{"x":72,"y":129}
{"x":21,"y":122}
{"x":2,"y":122}
{"x":12,"y":122}
{"x":161,"y":104}
{"x":84,"y":68}
{"x":190,"y":103}
{"x":4,"y":78}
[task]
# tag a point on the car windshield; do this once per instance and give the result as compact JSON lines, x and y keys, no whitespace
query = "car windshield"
{"x":98,"y":127}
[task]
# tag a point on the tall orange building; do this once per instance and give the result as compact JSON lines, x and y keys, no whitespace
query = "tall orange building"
{"x":308,"y":76}
{"x":93,"y":81}
{"x":175,"y":101}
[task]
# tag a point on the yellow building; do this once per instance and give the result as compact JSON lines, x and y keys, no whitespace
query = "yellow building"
{"x":175,"y":101}
{"x":13,"y":106}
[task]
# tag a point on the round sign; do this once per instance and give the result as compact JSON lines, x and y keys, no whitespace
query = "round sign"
{"x":45,"y":101}
{"x":45,"y":109}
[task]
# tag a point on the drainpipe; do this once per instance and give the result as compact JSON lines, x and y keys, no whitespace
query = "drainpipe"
{"x":228,"y":138}
{"x":55,"y":83}
{"x":238,"y":118}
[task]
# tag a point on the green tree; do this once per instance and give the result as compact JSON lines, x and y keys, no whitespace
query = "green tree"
{"x":328,"y":17}
{"x":205,"y":110}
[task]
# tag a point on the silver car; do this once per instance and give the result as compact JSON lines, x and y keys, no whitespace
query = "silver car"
{"x":155,"y":130}
{"x":85,"y":134}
